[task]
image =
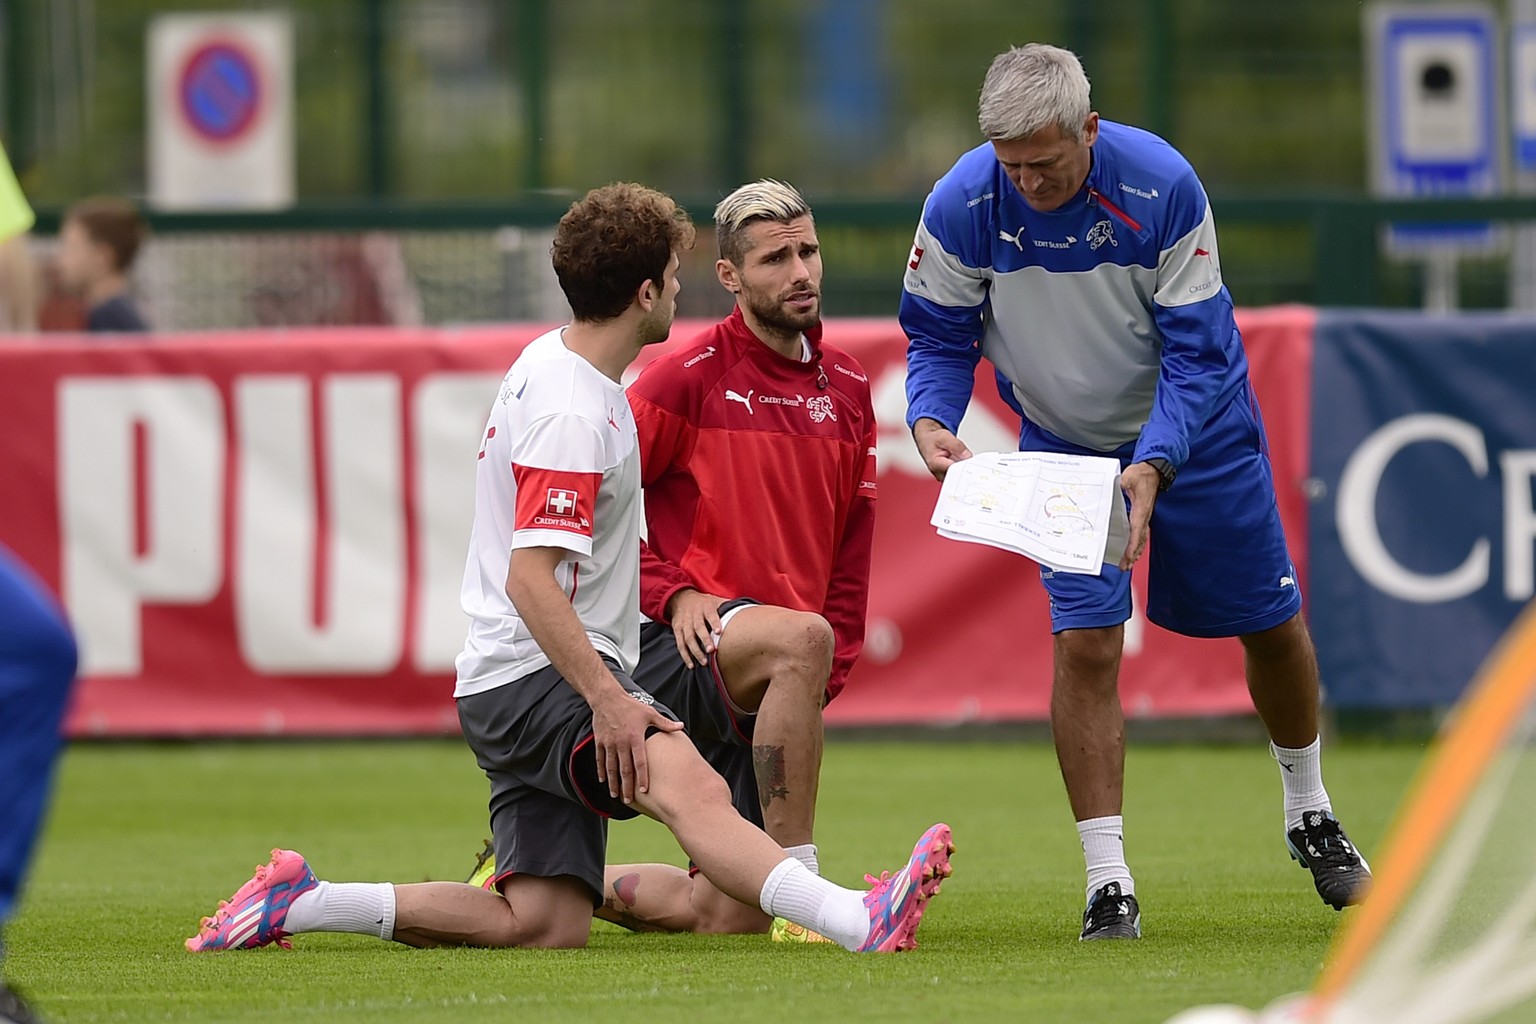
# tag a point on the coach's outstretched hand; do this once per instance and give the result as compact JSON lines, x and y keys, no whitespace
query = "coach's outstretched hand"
{"x":1139,"y":481}
{"x":695,"y":618}
{"x":619,"y":724}
{"x":939,"y":447}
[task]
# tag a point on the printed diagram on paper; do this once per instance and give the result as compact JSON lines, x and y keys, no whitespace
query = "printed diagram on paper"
{"x":1052,"y":502}
{"x":1063,"y":511}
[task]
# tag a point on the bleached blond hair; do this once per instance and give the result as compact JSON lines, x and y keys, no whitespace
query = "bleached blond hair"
{"x":1031,"y":87}
{"x":768,"y":199}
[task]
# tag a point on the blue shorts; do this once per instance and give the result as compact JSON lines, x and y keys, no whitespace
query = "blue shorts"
{"x":37,"y":665}
{"x":1218,"y":564}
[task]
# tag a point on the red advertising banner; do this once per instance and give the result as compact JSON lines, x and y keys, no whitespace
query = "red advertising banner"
{"x":264,"y":532}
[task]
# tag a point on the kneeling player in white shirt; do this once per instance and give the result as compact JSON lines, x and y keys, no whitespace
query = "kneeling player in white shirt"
{"x":565,"y":736}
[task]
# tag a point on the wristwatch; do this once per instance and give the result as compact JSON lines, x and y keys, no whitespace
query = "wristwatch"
{"x":1165,"y":473}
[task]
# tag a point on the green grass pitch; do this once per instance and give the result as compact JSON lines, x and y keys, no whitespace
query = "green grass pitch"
{"x":145,"y":839}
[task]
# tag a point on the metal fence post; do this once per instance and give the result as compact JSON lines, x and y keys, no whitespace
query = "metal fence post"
{"x":732,"y":52}
{"x":1081,"y":21}
{"x":1344,"y":238}
{"x":375,"y":40}
{"x":533,"y":68}
{"x":18,"y":97}
{"x":1157,"y":68}
{"x":1522,"y":262}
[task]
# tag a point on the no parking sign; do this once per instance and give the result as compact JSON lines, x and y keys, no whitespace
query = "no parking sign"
{"x":221,"y":111}
{"x":220,"y":91}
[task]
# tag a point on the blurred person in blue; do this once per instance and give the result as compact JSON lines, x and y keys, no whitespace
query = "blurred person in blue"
{"x":37,"y":664}
{"x":97,"y":245}
{"x":1079,"y":257}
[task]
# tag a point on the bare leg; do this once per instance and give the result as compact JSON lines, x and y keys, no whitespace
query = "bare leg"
{"x":1281,"y":665}
{"x":693,"y":801}
{"x":688,"y":797}
{"x":647,"y":898}
{"x":777,"y":662}
{"x":1086,"y":720}
{"x":548,"y":912}
{"x":660,"y":897}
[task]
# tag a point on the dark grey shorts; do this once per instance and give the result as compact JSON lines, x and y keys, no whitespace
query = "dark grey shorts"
{"x":549,"y":814}
{"x":721,"y":732}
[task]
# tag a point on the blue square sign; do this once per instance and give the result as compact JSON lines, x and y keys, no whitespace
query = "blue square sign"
{"x":1437,"y":113}
{"x":1522,"y":76}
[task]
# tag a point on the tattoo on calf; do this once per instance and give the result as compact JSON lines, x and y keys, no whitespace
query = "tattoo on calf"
{"x":768,"y":763}
{"x":627,"y":888}
{"x":617,"y":907}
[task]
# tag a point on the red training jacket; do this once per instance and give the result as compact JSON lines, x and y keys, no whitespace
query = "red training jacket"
{"x":759,"y":477}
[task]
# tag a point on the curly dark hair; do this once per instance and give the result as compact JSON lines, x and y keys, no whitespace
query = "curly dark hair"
{"x":613,"y":240}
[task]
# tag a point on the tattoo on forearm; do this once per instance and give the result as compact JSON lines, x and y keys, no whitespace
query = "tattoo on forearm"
{"x":768,"y":763}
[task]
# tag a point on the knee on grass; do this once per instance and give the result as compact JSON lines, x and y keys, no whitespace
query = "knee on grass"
{"x":521,"y":933}
{"x":558,"y":935}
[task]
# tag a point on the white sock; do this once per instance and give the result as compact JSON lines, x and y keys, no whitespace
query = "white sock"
{"x":1104,"y":853}
{"x":1301,"y":772}
{"x":806,"y":855}
{"x":793,"y":892}
{"x":363,"y":908}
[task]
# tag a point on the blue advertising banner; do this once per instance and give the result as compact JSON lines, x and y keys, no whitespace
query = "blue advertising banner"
{"x":1423,"y":522}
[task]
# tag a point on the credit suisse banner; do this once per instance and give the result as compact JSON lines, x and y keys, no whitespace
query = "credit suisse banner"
{"x":264,"y":532}
{"x":1423,"y":534}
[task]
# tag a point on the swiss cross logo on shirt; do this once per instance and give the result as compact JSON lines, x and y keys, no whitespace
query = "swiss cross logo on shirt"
{"x":555,"y":499}
{"x":916,"y":258}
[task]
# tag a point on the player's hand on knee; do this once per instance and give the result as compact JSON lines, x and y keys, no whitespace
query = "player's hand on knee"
{"x":695,"y":618}
{"x":1140,"y":482}
{"x":938,"y":446}
{"x":620,"y":722}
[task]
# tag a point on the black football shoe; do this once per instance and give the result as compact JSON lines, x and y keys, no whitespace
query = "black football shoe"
{"x":1111,"y":914}
{"x":1341,"y":875}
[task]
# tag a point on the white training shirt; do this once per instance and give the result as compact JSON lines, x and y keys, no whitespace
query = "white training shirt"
{"x":559,"y":467}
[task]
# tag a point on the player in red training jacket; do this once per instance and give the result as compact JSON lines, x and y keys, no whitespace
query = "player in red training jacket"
{"x":758,"y":465}
{"x":757,"y":448}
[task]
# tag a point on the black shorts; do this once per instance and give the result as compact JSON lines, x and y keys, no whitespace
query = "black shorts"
{"x":721,"y":731}
{"x":549,"y":814}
